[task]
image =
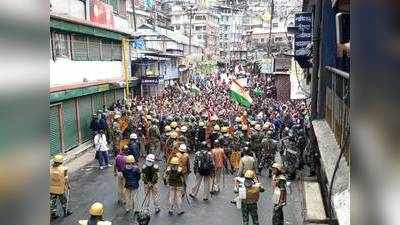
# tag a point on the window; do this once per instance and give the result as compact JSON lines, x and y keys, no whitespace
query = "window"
{"x":94,"y":49}
{"x":79,"y":48}
{"x":275,"y":25}
{"x":204,"y":27}
{"x":116,"y":51}
{"x":262,"y":39}
{"x":199,"y":36}
{"x":106,"y":50}
{"x":198,"y":28}
{"x":278,"y":39}
{"x":122,"y":7}
{"x":177,"y":27}
{"x":61,"y":43}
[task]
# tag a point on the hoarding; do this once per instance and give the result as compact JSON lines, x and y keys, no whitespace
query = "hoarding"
{"x":101,"y":13}
{"x":303,"y":36}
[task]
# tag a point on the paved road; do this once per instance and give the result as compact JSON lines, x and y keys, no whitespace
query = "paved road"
{"x":89,"y":184}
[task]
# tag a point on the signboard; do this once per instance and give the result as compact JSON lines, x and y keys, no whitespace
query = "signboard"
{"x":101,"y":13}
{"x":303,"y":36}
{"x":149,"y":80}
{"x":266,"y":66}
{"x":282,"y":64}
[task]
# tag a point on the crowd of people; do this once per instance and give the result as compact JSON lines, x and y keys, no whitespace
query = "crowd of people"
{"x":198,"y":128}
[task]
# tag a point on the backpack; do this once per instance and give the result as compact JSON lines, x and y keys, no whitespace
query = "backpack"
{"x":205,"y":164}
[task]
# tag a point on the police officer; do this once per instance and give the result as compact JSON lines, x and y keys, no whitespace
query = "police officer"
{"x":255,"y":141}
{"x":247,"y":162}
{"x":290,"y":155}
{"x":173,"y":176}
{"x":215,"y":135}
{"x":150,"y":173}
{"x":96,"y":212}
{"x":131,"y":175}
{"x":203,"y":167}
{"x":59,"y":186}
{"x":134,"y":146}
{"x":249,"y":203}
{"x":184,"y":163}
{"x":279,"y":195}
{"x":200,"y":134}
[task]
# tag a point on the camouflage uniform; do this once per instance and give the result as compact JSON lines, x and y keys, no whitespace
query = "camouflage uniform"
{"x":154,"y":143}
{"x":256,"y":145}
{"x":249,"y":205}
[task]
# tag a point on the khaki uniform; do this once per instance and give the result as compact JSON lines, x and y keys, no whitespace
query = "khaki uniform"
{"x":249,"y":204}
{"x":219,"y":158}
{"x":279,"y":197}
{"x":58,"y":187}
{"x":174,"y":178}
{"x":246,"y":163}
{"x":151,"y":187}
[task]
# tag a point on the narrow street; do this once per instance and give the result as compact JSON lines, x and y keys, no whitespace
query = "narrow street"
{"x":89,"y":184}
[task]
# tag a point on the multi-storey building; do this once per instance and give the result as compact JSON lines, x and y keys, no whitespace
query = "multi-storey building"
{"x":199,"y":23}
{"x":231,"y":42}
{"x":86,"y":65}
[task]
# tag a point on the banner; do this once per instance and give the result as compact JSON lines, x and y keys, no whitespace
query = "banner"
{"x":101,"y":13}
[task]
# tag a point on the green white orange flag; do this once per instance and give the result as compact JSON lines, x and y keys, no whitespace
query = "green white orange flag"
{"x":239,"y":94}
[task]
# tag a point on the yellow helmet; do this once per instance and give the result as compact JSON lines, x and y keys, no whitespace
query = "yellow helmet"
{"x":201,"y":124}
{"x":224,"y":129}
{"x":184,"y":128}
{"x":249,"y":174}
{"x":214,"y":118}
{"x":257,"y":127}
{"x":238,"y":119}
{"x":130,"y":159}
{"x":173,"y":135}
{"x":278,"y":166}
{"x":252,"y":123}
{"x":174,"y":161}
{"x":167,"y":128}
{"x":174,"y":125}
{"x":96,"y":209}
{"x":148,"y":117}
{"x":244,"y":127}
{"x":58,"y":158}
{"x":216,"y":127}
{"x":177,"y":129}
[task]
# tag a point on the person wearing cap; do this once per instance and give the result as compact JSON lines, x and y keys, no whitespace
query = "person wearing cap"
{"x":249,"y":204}
{"x":170,"y":146}
{"x":173,"y":177}
{"x":215,"y":135}
{"x":119,"y":166}
{"x":101,"y":145}
{"x":279,"y":193}
{"x":200,"y":134}
{"x":96,"y":212}
{"x":255,"y":142}
{"x":203,"y":168}
{"x":226,"y":143}
{"x":184,"y":163}
{"x":150,"y":174}
{"x":220,"y":162}
{"x":134,"y":146}
{"x":131,"y":175}
{"x":59,"y":187}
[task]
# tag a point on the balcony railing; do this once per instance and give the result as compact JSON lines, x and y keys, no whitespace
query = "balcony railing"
{"x":337,"y":106}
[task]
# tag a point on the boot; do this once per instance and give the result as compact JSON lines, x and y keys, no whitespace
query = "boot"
{"x":66,"y":212}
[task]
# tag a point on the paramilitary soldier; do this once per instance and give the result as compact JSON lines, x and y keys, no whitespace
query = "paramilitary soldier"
{"x":255,"y":142}
{"x":173,"y":176}
{"x":150,"y":172}
{"x":154,"y":139}
{"x":249,"y":204}
{"x":279,"y":195}
{"x":96,"y":212}
{"x":59,"y":186}
{"x":227,"y":144}
{"x":184,"y":163}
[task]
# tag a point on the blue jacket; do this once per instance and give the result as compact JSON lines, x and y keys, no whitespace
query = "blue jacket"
{"x":132,"y":177}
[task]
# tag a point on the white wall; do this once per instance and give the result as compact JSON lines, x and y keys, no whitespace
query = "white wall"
{"x":65,"y":71}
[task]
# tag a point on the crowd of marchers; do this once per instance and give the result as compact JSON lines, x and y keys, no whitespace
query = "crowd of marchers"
{"x":196,"y":129}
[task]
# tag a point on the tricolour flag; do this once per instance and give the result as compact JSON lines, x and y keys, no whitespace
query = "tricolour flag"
{"x":239,"y":94}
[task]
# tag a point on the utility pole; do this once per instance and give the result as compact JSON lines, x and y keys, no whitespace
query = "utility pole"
{"x":270,"y":28}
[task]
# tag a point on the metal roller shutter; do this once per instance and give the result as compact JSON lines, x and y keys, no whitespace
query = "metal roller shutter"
{"x":119,"y":94}
{"x":70,"y":125}
{"x":110,"y":98}
{"x":54,"y":130}
{"x":97,"y":101}
{"x":85,"y":115}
